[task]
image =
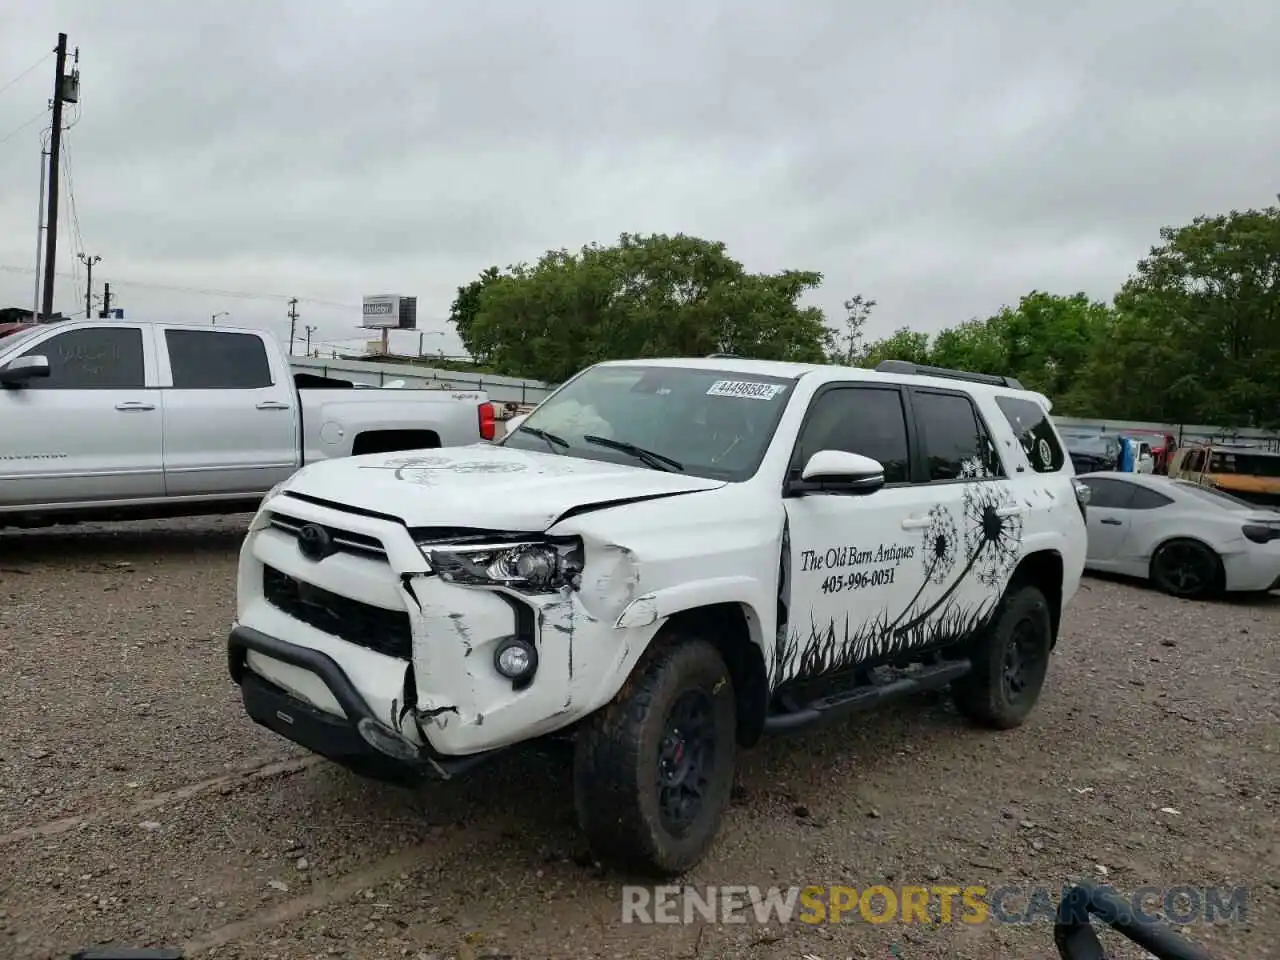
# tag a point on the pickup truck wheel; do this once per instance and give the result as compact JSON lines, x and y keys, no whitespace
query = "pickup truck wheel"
{"x":1010,"y":662}
{"x":653,"y":770}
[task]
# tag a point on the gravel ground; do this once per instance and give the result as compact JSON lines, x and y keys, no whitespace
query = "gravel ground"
{"x":139,"y":805}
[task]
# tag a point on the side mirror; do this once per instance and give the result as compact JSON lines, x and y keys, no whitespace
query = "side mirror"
{"x":23,"y":369}
{"x":841,"y":472}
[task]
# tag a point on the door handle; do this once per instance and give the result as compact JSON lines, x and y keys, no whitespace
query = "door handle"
{"x":915,"y":523}
{"x":135,"y":405}
{"x":1011,"y":511}
{"x":273,"y":405}
{"x":1111,"y":522}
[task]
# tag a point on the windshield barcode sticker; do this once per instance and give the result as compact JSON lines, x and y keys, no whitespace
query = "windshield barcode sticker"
{"x":750,"y":389}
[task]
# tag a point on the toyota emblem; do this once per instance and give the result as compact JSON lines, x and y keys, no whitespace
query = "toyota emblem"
{"x":314,"y":542}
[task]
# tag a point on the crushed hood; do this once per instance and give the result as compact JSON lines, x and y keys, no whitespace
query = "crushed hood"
{"x":483,"y":486}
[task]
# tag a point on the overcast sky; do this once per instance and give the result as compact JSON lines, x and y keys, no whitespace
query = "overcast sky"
{"x":943,"y":159}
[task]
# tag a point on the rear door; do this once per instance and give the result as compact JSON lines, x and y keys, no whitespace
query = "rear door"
{"x":231,"y":416}
{"x":91,"y":430}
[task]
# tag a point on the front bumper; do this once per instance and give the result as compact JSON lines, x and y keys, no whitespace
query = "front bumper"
{"x":358,"y":740}
{"x":418,"y":653}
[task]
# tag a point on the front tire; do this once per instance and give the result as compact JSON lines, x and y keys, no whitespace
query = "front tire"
{"x":653,"y":770}
{"x":1186,"y":569}
{"x":1010,"y":662}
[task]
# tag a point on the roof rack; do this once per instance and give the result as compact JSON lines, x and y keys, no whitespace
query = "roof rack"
{"x":924,"y":370}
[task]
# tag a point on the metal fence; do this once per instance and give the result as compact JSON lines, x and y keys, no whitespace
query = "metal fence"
{"x":1185,"y":432}
{"x":499,"y":389}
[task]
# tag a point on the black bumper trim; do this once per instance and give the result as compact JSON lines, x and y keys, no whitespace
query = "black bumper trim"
{"x":330,"y":736}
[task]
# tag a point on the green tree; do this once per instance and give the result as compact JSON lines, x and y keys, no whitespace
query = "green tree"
{"x":847,"y":348}
{"x":645,"y":296}
{"x":465,"y":306}
{"x":902,"y":344}
{"x":1197,"y":339}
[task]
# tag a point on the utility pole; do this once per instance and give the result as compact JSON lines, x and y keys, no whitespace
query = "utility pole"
{"x":310,"y":330}
{"x":64,"y":89}
{"x":221,"y":313}
{"x":106,"y":300}
{"x":88,"y":284}
{"x":293,"y":323}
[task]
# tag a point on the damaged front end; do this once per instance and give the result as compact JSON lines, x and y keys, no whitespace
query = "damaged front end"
{"x":398,"y":651}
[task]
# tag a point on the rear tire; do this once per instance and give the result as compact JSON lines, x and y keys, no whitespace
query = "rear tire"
{"x":1010,"y":662}
{"x":1187,"y":569}
{"x":653,"y":770}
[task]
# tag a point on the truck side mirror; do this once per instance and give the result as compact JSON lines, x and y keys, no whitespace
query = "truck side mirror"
{"x":18,"y":372}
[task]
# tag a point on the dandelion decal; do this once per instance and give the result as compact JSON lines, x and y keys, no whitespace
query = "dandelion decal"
{"x":992,"y":532}
{"x":973,"y":469}
{"x":941,"y":545}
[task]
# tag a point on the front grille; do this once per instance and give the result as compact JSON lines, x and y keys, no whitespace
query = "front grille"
{"x":345,"y":540}
{"x":385,"y":631}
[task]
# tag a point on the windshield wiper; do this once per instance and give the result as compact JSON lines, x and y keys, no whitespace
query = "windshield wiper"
{"x":647,"y":457}
{"x":550,"y":439}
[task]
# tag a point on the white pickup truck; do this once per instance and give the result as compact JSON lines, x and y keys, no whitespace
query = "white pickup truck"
{"x":106,"y":420}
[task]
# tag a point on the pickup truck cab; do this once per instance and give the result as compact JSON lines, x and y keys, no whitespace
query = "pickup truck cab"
{"x":116,"y":420}
{"x":665,"y":560}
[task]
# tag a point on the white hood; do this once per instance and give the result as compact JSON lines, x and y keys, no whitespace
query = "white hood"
{"x":484,"y":486}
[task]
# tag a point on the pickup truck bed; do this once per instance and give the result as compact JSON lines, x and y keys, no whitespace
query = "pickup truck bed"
{"x":132,"y":420}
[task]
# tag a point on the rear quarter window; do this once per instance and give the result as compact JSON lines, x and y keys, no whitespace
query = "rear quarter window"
{"x":1031,"y":425}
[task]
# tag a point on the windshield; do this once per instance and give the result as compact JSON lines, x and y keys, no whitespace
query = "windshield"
{"x":1217,"y":496}
{"x":12,"y":340}
{"x":1094,"y":446}
{"x":1245,"y":464}
{"x":712,"y":423}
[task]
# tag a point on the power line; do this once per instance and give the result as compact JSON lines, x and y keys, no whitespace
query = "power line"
{"x":17,"y":130}
{"x":206,"y":292}
{"x":71,"y":193}
{"x":26,"y":71}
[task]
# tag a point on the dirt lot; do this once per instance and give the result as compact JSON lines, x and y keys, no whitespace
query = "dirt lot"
{"x":138,"y":804}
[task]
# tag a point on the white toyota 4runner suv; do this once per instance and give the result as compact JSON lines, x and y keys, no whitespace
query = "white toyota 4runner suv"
{"x":666,"y":560}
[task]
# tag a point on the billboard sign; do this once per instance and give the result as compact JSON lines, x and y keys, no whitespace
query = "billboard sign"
{"x":381,"y":312}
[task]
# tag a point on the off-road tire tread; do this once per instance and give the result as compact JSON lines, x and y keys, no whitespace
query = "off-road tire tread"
{"x":607,"y":764}
{"x":979,"y":696}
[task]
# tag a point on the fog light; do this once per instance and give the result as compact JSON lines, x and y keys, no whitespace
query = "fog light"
{"x":516,"y":660}
{"x":386,"y":741}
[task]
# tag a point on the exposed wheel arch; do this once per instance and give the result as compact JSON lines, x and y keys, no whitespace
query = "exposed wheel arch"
{"x":1042,"y":569}
{"x":729,"y":628}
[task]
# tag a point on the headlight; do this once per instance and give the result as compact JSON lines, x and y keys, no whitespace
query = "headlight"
{"x":533,"y":566}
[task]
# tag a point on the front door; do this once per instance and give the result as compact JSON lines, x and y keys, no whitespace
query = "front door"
{"x":231,"y":414}
{"x":1107,"y":517}
{"x":91,"y":430}
{"x":853,"y":562}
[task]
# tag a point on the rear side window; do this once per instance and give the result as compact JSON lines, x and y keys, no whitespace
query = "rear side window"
{"x":1030,"y":424}
{"x":1145,"y":498}
{"x":1245,"y":464}
{"x":209,"y":360}
{"x":956,"y":443}
{"x":1110,"y":494}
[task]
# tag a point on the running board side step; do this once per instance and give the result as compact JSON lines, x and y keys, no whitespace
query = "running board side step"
{"x":866,"y":697}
